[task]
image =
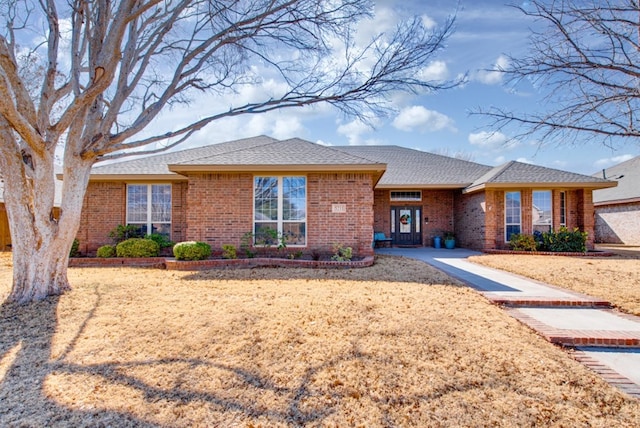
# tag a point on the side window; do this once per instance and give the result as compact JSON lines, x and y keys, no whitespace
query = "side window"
{"x":513,"y":217}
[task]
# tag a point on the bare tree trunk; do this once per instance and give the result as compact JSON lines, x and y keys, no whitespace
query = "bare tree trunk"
{"x":40,"y":241}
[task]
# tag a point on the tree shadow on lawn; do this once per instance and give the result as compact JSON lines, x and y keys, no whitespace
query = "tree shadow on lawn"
{"x":26,"y":365}
{"x":26,"y":334}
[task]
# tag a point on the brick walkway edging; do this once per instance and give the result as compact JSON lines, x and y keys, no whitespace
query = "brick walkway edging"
{"x":610,"y":376}
{"x":552,"y":253}
{"x":173,"y":264}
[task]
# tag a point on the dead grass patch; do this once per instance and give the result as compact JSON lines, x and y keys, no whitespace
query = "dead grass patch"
{"x":615,"y":279}
{"x":397,"y":344}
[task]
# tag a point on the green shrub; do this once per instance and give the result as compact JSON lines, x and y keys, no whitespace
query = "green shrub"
{"x":122,"y":233}
{"x":75,"y":248}
{"x":192,"y":250}
{"x":229,"y":251}
{"x":106,"y":251}
{"x":160,"y":239}
{"x":565,"y":240}
{"x":341,"y":254}
{"x":138,"y":247}
{"x":522,"y":242}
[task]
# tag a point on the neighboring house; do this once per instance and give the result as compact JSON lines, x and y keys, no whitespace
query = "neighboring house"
{"x":318,"y":195}
{"x":618,"y":209}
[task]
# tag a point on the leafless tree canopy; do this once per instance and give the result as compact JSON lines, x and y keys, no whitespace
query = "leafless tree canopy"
{"x":92,"y":75}
{"x":585,"y":58}
{"x":108,"y":68}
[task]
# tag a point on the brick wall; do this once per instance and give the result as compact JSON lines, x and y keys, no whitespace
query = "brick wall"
{"x":221,"y":210}
{"x":353,"y":228}
{"x":475,"y":222}
{"x":104,"y":208}
{"x":618,"y":224}
{"x":436,"y":205}
{"x":490,"y":203}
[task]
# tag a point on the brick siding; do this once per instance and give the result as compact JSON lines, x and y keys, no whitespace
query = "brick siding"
{"x":220,"y":210}
{"x":618,"y":224}
{"x":436,"y":205}
{"x":104,"y":208}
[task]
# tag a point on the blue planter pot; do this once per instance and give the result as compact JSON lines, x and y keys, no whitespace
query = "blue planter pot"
{"x":450,"y":244}
{"x":436,"y":242}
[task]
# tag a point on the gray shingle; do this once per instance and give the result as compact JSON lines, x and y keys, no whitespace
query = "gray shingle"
{"x":157,"y":164}
{"x":523,"y":173}
{"x":408,"y":167}
{"x":628,"y":185}
{"x":286,"y":153}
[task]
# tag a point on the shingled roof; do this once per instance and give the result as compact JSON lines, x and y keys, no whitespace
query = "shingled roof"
{"x":256,"y":154}
{"x":156,"y":167}
{"x":291,"y":155}
{"x":398,"y":167}
{"x":516,"y":174}
{"x":627,"y":174}
{"x":408,"y":168}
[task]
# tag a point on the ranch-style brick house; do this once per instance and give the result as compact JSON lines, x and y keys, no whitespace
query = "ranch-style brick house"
{"x":320,"y":195}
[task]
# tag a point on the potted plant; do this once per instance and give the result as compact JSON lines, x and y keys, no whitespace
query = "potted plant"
{"x":449,"y":240}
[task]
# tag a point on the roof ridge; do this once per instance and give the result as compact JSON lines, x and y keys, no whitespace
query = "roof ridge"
{"x":266,"y":143}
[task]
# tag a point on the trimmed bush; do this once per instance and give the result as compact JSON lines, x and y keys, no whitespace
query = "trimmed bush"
{"x":565,"y":240}
{"x":162,"y":240}
{"x":138,"y":247}
{"x":229,"y":251}
{"x":106,"y":251}
{"x":522,"y":242}
{"x":192,"y":250}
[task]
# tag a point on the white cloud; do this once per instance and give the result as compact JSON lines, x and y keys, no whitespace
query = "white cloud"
{"x":491,"y":140}
{"x":605,"y":162}
{"x":428,"y":22}
{"x":435,"y":71}
{"x":355,"y":130}
{"x":418,"y":117}
{"x":525,"y":160}
{"x":560,"y":163}
{"x":500,"y":160}
{"x":494,"y":75}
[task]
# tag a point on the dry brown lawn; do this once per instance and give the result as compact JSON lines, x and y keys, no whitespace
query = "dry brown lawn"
{"x":615,"y":279}
{"x":397,"y":344}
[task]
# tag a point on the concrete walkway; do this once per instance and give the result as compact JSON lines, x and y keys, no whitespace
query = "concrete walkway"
{"x":605,"y":340}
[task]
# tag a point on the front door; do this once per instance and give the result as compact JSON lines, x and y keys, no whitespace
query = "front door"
{"x":405,"y":226}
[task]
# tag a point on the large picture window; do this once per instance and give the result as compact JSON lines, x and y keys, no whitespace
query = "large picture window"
{"x":149,"y":208}
{"x":513,"y":211}
{"x":280,"y":209}
{"x":542,"y":211}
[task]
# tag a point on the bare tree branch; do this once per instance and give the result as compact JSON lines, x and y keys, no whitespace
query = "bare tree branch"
{"x":585,"y":60}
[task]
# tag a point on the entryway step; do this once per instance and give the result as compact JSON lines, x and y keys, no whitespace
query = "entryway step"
{"x":581,"y":326}
{"x":546,"y":302}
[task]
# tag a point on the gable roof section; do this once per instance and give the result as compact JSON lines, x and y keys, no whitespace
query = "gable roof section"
{"x":250,"y":154}
{"x":627,"y":175}
{"x":156,"y":167}
{"x":517,"y":174}
{"x":288,"y":155}
{"x":408,"y":168}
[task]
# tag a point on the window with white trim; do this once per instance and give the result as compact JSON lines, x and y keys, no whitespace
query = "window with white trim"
{"x":149,"y":208}
{"x":406,"y":195}
{"x":563,"y":208}
{"x":280,"y":209}
{"x":541,"y":214}
{"x":513,"y":214}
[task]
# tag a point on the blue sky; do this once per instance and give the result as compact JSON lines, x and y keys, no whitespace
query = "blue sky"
{"x":485,"y":32}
